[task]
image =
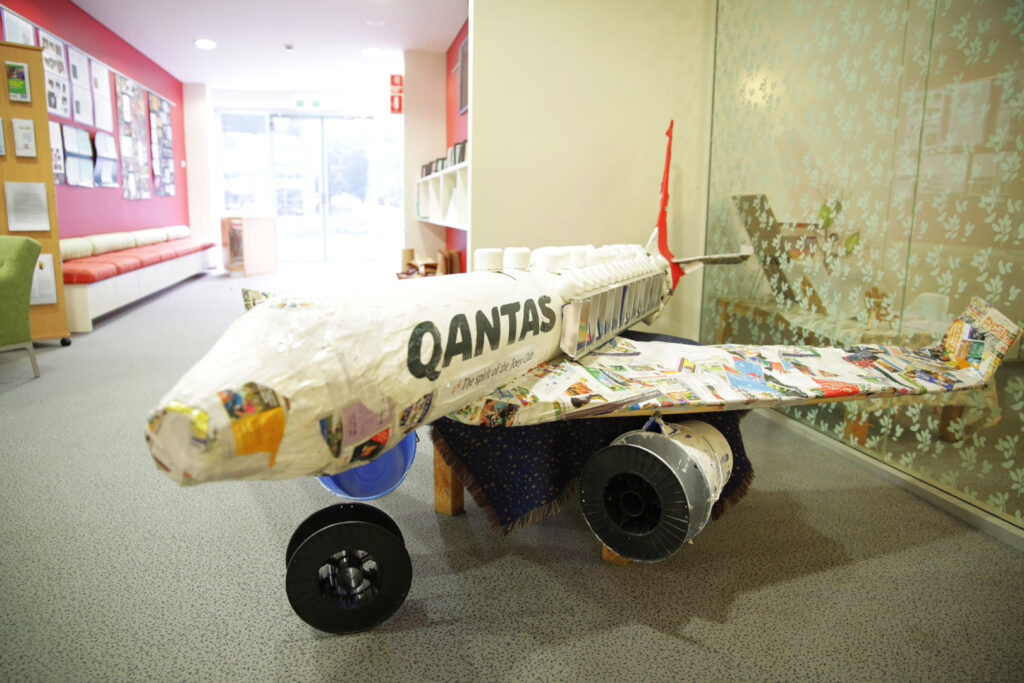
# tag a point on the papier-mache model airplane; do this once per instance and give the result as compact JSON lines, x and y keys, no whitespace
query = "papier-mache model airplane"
{"x":317,"y":385}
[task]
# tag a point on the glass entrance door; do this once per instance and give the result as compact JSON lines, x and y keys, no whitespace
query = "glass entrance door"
{"x":363,"y":203}
{"x":297,"y":173}
{"x":338,"y":190}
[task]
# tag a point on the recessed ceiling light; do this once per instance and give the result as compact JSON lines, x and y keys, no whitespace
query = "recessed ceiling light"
{"x":371,"y":51}
{"x":205,"y":44}
{"x":374,"y":22}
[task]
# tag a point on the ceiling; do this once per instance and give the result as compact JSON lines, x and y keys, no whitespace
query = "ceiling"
{"x":328,"y":36}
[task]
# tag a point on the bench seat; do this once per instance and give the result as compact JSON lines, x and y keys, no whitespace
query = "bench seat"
{"x":97,"y":283}
{"x":90,"y":269}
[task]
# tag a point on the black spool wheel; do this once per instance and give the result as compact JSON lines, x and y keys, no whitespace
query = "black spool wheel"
{"x":634,"y":503}
{"x":65,"y":341}
{"x":342,"y":512}
{"x":348,"y":577}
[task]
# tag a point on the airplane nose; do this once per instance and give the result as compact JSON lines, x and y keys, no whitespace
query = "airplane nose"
{"x":220,"y":433}
{"x":177,"y":435}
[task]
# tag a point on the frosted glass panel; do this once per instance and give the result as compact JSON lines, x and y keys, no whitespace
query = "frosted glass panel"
{"x":871,"y":153}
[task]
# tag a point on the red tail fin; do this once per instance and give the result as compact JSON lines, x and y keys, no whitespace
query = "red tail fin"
{"x":677,"y":270}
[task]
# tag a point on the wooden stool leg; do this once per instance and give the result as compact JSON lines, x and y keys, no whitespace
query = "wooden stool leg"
{"x":949,"y":415}
{"x":723,"y":330}
{"x":856,"y":427}
{"x":611,"y":557}
{"x":447,"y":488}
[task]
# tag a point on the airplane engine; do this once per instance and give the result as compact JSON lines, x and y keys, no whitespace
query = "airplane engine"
{"x":651,"y":490}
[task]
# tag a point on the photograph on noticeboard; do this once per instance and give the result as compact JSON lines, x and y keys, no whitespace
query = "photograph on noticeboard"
{"x":18,"y":89}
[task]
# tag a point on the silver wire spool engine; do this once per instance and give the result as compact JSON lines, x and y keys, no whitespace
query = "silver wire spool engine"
{"x":651,"y":490}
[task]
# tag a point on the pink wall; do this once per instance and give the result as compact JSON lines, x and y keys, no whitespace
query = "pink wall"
{"x":458,"y":124}
{"x":88,"y":210}
{"x":457,"y":129}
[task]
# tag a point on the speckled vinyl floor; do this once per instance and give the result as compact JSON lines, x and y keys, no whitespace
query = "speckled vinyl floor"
{"x":108,"y":571}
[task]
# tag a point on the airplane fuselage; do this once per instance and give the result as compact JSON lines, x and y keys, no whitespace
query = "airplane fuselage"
{"x":311,"y":386}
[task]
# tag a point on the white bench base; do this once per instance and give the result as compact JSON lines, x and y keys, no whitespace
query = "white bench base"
{"x":86,"y":302}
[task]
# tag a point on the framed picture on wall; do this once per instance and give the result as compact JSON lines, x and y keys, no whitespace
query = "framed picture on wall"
{"x":464,"y":76}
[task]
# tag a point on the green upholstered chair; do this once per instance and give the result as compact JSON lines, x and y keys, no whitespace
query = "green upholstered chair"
{"x":17,"y":264}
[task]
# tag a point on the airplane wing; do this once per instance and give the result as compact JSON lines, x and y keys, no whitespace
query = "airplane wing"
{"x":627,"y":377}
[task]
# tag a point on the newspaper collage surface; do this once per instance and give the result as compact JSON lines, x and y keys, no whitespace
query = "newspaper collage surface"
{"x":629,"y":377}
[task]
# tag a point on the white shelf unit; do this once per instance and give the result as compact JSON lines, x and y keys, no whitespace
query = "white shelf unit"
{"x":442,"y":198}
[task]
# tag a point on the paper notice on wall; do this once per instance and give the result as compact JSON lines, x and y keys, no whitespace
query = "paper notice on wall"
{"x":58,"y":95}
{"x":80,"y":171}
{"x":105,"y":147}
{"x":102,"y":107}
{"x":53,"y":54}
{"x":84,"y":145}
{"x":105,"y":173}
{"x":57,"y":153}
{"x":70,"y":136}
{"x":24,"y":137}
{"x":44,"y":283}
{"x":27,"y":208}
{"x":81,"y":88}
{"x":18,"y":30}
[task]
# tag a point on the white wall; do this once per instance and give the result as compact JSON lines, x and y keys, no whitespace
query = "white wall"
{"x":425,"y":139}
{"x":348,"y":103}
{"x":569,"y":104}
{"x":200,"y":136}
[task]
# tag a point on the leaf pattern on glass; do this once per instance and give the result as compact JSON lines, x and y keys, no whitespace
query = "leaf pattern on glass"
{"x":893,"y":133}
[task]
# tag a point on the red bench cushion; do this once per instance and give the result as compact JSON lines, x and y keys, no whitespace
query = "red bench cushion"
{"x":188,"y":246}
{"x":125,"y":261}
{"x":84,"y":271}
{"x":152,"y":254}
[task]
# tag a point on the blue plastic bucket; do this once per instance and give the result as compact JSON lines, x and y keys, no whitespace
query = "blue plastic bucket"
{"x":376,"y":478}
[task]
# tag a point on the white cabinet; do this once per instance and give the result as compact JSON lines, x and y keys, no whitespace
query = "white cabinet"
{"x":442,"y":198}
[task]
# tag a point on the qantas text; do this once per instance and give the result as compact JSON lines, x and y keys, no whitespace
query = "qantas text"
{"x":466,"y":343}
